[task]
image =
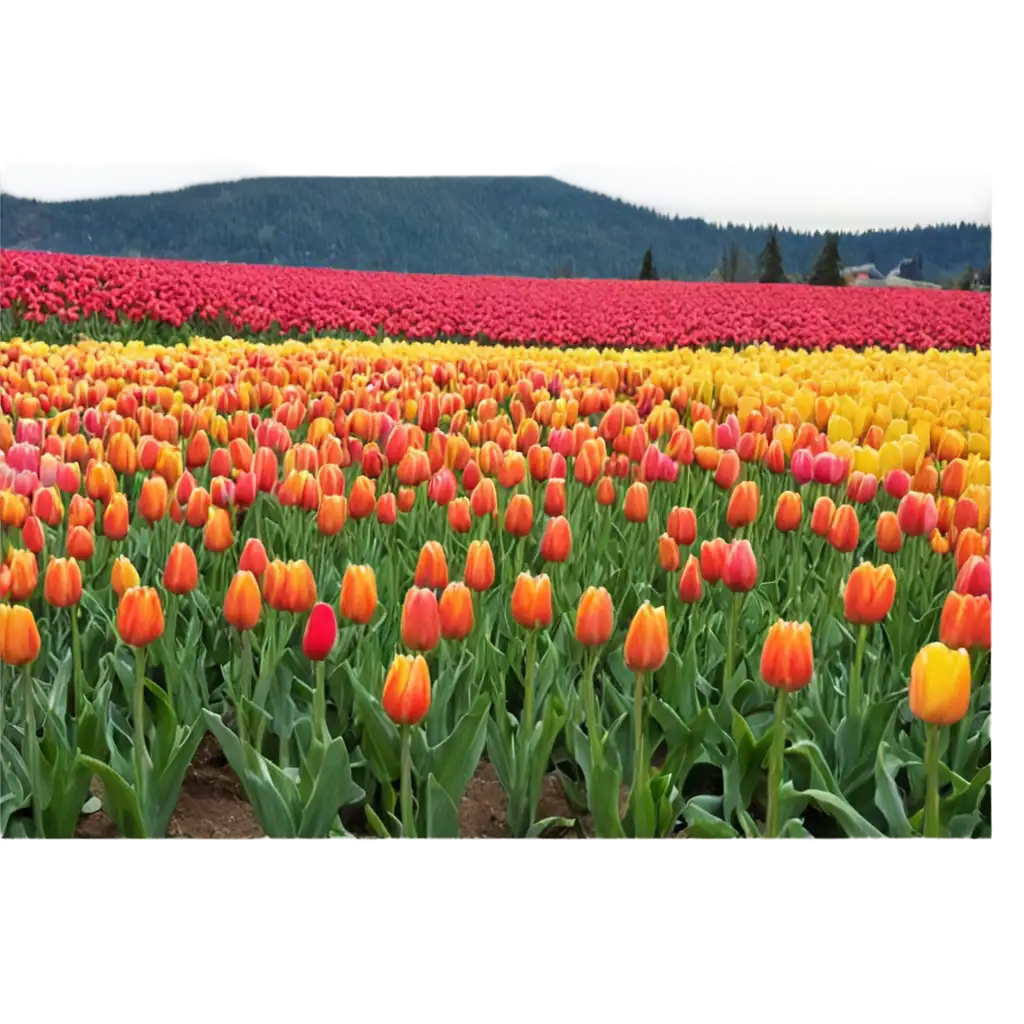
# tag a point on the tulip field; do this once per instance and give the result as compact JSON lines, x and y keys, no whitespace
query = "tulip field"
{"x":672,"y":574}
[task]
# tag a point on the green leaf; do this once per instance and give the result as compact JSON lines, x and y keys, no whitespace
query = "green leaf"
{"x":332,"y":789}
{"x":119,"y":799}
{"x":456,"y":758}
{"x":442,"y":816}
{"x":270,"y":808}
{"x":375,"y":823}
{"x":821,"y":774}
{"x":855,"y":825}
{"x":538,"y":828}
{"x":501,"y":752}
{"x":603,"y":796}
{"x":702,"y":824}
{"x":887,"y":796}
{"x":379,"y":737}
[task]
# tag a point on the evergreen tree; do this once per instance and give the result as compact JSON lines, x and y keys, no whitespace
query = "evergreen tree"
{"x":729,"y":263}
{"x":769,"y":263}
{"x":647,"y":271}
{"x":985,"y":277}
{"x":828,"y":266}
{"x":967,"y":280}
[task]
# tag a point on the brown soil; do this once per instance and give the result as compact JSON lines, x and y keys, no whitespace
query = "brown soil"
{"x":213,"y":806}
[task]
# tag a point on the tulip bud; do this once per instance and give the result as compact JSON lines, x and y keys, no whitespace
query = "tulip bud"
{"x":123,"y":576}
{"x":432,"y":567}
{"x":739,"y":571}
{"x":140,"y":616}
{"x":788,"y":511}
{"x":406,"y":694}
{"x":242,"y":603}
{"x":531,"y":601}
{"x":62,"y":586}
{"x":421,"y":620}
{"x":456,"y":611}
{"x":358,"y":599}
{"x":869,"y":594}
{"x":940,"y":684}
{"x":181,"y":574}
{"x":556,"y":544}
{"x":595,"y":617}
{"x":479,"y":572}
{"x":787,"y":659}
{"x":646,"y":645}
{"x":690,"y":585}
{"x":320,"y":633}
{"x":682,"y":525}
{"x":19,"y":636}
{"x":744,"y":503}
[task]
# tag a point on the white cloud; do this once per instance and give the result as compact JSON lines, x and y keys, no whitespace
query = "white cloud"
{"x":805,"y":196}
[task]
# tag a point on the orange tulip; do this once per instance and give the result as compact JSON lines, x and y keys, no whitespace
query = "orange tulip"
{"x":739,"y":570}
{"x":869,"y":594}
{"x":595,"y":617}
{"x":744,"y":504}
{"x":152,"y":502}
{"x":844,"y":531}
{"x":406,"y":694}
{"x":297,"y":588}
{"x":330,"y":517}
{"x":888,"y":535}
{"x":62,"y":585}
{"x":456,"y":611}
{"x":822,"y":515}
{"x":362,"y":499}
{"x":668,"y":553}
{"x":479,"y":572}
{"x":358,"y":599}
{"x":242,"y":603}
{"x":81,"y":512}
{"x":554,"y":498}
{"x":531,"y":601}
{"x":713,"y":554}
{"x":123,"y":576}
{"x":100,"y":482}
{"x":484,"y":499}
{"x":24,"y":574}
{"x":181,"y":573}
{"x":789,"y":511}
{"x":80,"y":544}
{"x":940,"y":684}
{"x":690,"y":585}
{"x":637,"y":503}
{"x":787,"y":660}
{"x":458,"y":515}
{"x":519,"y":515}
{"x":217,"y":535}
{"x":966,"y":621}
{"x":728,"y":470}
{"x":646,"y":645}
{"x":19,"y":636}
{"x":606,"y":491}
{"x":556,"y":544}
{"x":140,"y":616}
{"x":682,"y":525}
{"x":968,"y":543}
{"x":421,"y":620}
{"x":254,"y":557}
{"x":116,"y":518}
{"x":432,"y":567}
{"x":939,"y":542}
{"x":32,"y":535}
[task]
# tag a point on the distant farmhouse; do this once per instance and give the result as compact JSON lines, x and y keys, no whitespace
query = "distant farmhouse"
{"x":906,"y":275}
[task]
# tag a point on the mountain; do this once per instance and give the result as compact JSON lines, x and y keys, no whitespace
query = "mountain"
{"x":531,"y":227}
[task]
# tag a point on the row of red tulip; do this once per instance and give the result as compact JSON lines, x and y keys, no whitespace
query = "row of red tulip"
{"x":615,"y":314}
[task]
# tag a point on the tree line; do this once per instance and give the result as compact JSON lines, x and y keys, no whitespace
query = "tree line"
{"x":736,"y":265}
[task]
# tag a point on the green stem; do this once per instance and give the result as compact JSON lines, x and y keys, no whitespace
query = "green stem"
{"x":854,"y":697}
{"x":320,"y":706}
{"x":140,"y":755}
{"x":3,"y":700}
{"x":76,"y":659}
{"x":408,"y":822}
{"x":531,"y":648}
{"x":775,"y":764}
{"x":590,"y":705}
{"x":32,"y":750}
{"x":245,"y":689}
{"x":793,"y":598}
{"x":638,"y":731}
{"x":730,"y":650}
{"x":931,"y":768}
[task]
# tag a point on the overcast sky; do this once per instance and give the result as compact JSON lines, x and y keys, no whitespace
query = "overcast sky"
{"x":806,"y":196}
